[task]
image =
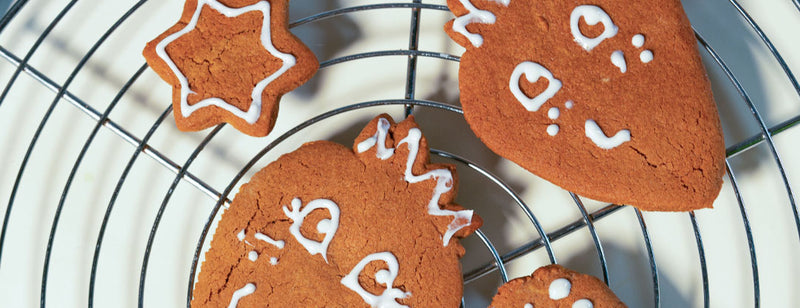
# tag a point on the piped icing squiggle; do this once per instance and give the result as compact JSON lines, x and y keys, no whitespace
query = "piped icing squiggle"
{"x":474,"y":15}
{"x":600,"y":139}
{"x":252,"y":114}
{"x":238,"y":294}
{"x":443,"y":177}
{"x":380,"y":139}
{"x":269,"y":240}
{"x":592,"y":15}
{"x":387,"y":299}
{"x":326,"y":226}
{"x":533,"y":71}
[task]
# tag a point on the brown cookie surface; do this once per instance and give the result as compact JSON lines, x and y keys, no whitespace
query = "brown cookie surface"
{"x":555,"y":286}
{"x":327,"y":226}
{"x":230,"y":61}
{"x":608,"y":99}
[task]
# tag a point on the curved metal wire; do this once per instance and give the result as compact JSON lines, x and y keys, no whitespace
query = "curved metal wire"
{"x":59,"y":208}
{"x":701,"y":252}
{"x":323,"y":15}
{"x":34,"y":48}
{"x":38,"y":42}
{"x":749,"y":233}
{"x":742,"y":92}
{"x":507,"y":189}
{"x":163,"y":207}
{"x":11,"y":13}
{"x":596,"y":238}
{"x":112,"y":201}
{"x":497,"y":260}
{"x":651,"y":257}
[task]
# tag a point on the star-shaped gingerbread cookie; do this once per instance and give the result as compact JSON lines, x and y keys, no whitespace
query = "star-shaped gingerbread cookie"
{"x":230,"y":61}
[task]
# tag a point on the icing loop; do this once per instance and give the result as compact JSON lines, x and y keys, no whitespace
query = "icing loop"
{"x":443,"y":177}
{"x":592,"y":15}
{"x":533,"y":71}
{"x":380,"y":139}
{"x":326,"y":226}
{"x":252,"y":114}
{"x":387,"y":299}
{"x":602,"y":141}
{"x":474,"y":15}
{"x":238,"y":294}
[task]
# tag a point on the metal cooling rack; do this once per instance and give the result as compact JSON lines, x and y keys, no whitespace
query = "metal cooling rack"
{"x":497,"y":261}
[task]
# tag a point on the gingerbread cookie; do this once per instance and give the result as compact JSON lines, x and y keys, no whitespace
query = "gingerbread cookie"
{"x":555,"y":286}
{"x":230,"y":61}
{"x":329,"y":226}
{"x":607,"y":99}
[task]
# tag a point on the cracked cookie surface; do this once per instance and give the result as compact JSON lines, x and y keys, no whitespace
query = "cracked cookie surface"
{"x":329,"y":226}
{"x":606,"y":99}
{"x":230,"y":61}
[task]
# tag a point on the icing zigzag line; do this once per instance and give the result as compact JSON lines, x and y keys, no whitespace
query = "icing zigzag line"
{"x":475,"y":15}
{"x":443,"y":177}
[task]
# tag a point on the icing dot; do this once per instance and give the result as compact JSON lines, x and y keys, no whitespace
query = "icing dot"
{"x":323,"y":226}
{"x":552,"y":129}
{"x":569,"y":104}
{"x":383,"y":276}
{"x":559,"y":288}
{"x":553,"y":113}
{"x":618,"y":59}
{"x":273,"y":261}
{"x":253,"y":256}
{"x":638,"y":40}
{"x":646,"y":56}
{"x":582,"y":303}
{"x":528,"y":306}
{"x":240,"y":235}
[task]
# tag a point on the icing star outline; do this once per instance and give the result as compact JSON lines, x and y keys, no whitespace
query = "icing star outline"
{"x":254,"y":111}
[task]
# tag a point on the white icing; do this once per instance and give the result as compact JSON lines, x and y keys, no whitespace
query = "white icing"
{"x":592,"y":15}
{"x":387,"y":299}
{"x":559,"y":288}
{"x":553,"y":113}
{"x":533,"y":71}
{"x":269,"y":240}
{"x":297,"y":216}
{"x":238,"y":294}
{"x":569,"y":104}
{"x":552,"y":129}
{"x":444,"y":182}
{"x":600,"y":139}
{"x":252,"y":114}
{"x":582,"y":303}
{"x":646,"y":56}
{"x":528,"y":306}
{"x":380,"y":138}
{"x":253,"y":256}
{"x":618,"y":59}
{"x":474,"y":15}
{"x":273,"y":261}
{"x":240,"y":235}
{"x":638,"y":41}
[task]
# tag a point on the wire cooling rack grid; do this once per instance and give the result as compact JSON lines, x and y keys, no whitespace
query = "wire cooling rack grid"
{"x":109,"y":205}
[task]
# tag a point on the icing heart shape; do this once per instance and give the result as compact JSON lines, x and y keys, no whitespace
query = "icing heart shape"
{"x":326,"y":225}
{"x":626,"y":116}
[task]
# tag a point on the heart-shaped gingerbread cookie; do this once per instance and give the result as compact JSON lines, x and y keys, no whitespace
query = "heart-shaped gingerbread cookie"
{"x":326,"y":226}
{"x":607,"y":99}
